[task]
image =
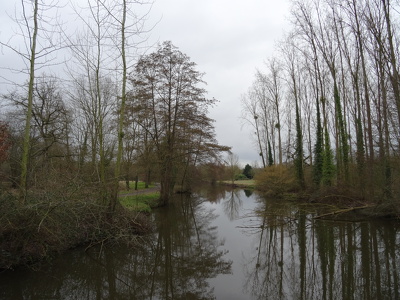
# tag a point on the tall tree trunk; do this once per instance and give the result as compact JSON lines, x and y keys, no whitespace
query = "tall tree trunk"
{"x":360,"y":46}
{"x":259,"y":142}
{"x":394,"y":76}
{"x":318,"y":149}
{"x":299,"y":139}
{"x":280,"y":152}
{"x":343,"y":150}
{"x":26,"y":142}
{"x":167,"y":180}
{"x":121,"y":111}
{"x":387,"y":169}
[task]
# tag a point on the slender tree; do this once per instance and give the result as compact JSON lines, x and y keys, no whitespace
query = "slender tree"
{"x":292,"y":70}
{"x":250,"y":115}
{"x":270,"y":157}
{"x":128,"y":27}
{"x":37,"y":27}
{"x":232,"y":163}
{"x":32,"y":60}
{"x":275,"y":89}
{"x":318,"y":148}
{"x":393,"y":59}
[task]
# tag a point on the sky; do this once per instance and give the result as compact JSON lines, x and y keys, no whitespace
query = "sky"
{"x":228,"y":40}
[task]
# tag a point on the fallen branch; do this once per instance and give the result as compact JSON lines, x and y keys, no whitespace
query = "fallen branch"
{"x":341,"y":211}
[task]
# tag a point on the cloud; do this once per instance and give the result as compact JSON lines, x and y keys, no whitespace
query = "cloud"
{"x":228,"y":40}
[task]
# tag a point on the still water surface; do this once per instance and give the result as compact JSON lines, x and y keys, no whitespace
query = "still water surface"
{"x":228,"y":244}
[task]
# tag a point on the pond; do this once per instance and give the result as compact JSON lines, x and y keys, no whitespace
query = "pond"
{"x":227,"y":244}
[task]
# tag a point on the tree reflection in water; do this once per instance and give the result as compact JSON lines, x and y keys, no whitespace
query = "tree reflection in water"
{"x":186,"y":252}
{"x":232,"y":204}
{"x":277,"y":250}
{"x":173,"y":264}
{"x":299,"y":257}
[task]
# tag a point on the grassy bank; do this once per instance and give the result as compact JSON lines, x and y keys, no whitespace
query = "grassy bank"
{"x":240,"y":183}
{"x":142,"y":199}
{"x":142,"y":202}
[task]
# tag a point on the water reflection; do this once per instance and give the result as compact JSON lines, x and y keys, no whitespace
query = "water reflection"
{"x":301,"y":258}
{"x":186,"y":252}
{"x":174,"y":264}
{"x":232,"y":204}
{"x":248,"y":193}
{"x":228,"y":244}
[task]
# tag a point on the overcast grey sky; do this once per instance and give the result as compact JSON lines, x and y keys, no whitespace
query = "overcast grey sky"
{"x":227,"y":39}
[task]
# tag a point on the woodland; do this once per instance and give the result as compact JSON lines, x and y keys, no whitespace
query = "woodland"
{"x":325,"y":114}
{"x":328,"y":105}
{"x":68,"y":143}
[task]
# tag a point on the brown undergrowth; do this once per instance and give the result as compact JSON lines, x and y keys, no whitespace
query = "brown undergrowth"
{"x":345,"y":200}
{"x":35,"y":231}
{"x":350,"y":205}
{"x":340,"y":196}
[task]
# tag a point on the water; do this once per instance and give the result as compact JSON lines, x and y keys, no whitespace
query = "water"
{"x":224,"y":244}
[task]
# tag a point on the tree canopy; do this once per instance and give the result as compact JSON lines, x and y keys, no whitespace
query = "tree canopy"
{"x":171,"y":107}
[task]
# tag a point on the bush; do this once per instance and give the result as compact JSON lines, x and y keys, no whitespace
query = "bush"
{"x":241,"y":177}
{"x":276,"y":180}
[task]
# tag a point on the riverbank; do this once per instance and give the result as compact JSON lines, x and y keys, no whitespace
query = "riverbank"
{"x":139,"y":198}
{"x":263,"y":241}
{"x":344,"y":204}
{"x":141,"y":201}
{"x":38,"y":230}
{"x":249,"y":184}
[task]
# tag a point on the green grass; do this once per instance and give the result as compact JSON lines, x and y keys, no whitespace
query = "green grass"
{"x":247,"y":183}
{"x":140,"y":202}
{"x":141,"y":186}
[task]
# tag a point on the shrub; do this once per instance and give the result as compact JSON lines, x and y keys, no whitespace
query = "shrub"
{"x":241,"y":177}
{"x":276,"y":180}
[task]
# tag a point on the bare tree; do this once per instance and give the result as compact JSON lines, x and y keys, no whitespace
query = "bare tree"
{"x":251,"y":116}
{"x":94,"y":90}
{"x":128,"y":26}
{"x":167,"y":89}
{"x":275,"y":91}
{"x":232,"y":163}
{"x":37,"y":29}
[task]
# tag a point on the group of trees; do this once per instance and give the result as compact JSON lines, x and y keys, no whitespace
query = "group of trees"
{"x":232,"y":171}
{"x":102,"y":121}
{"x":329,"y":103}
